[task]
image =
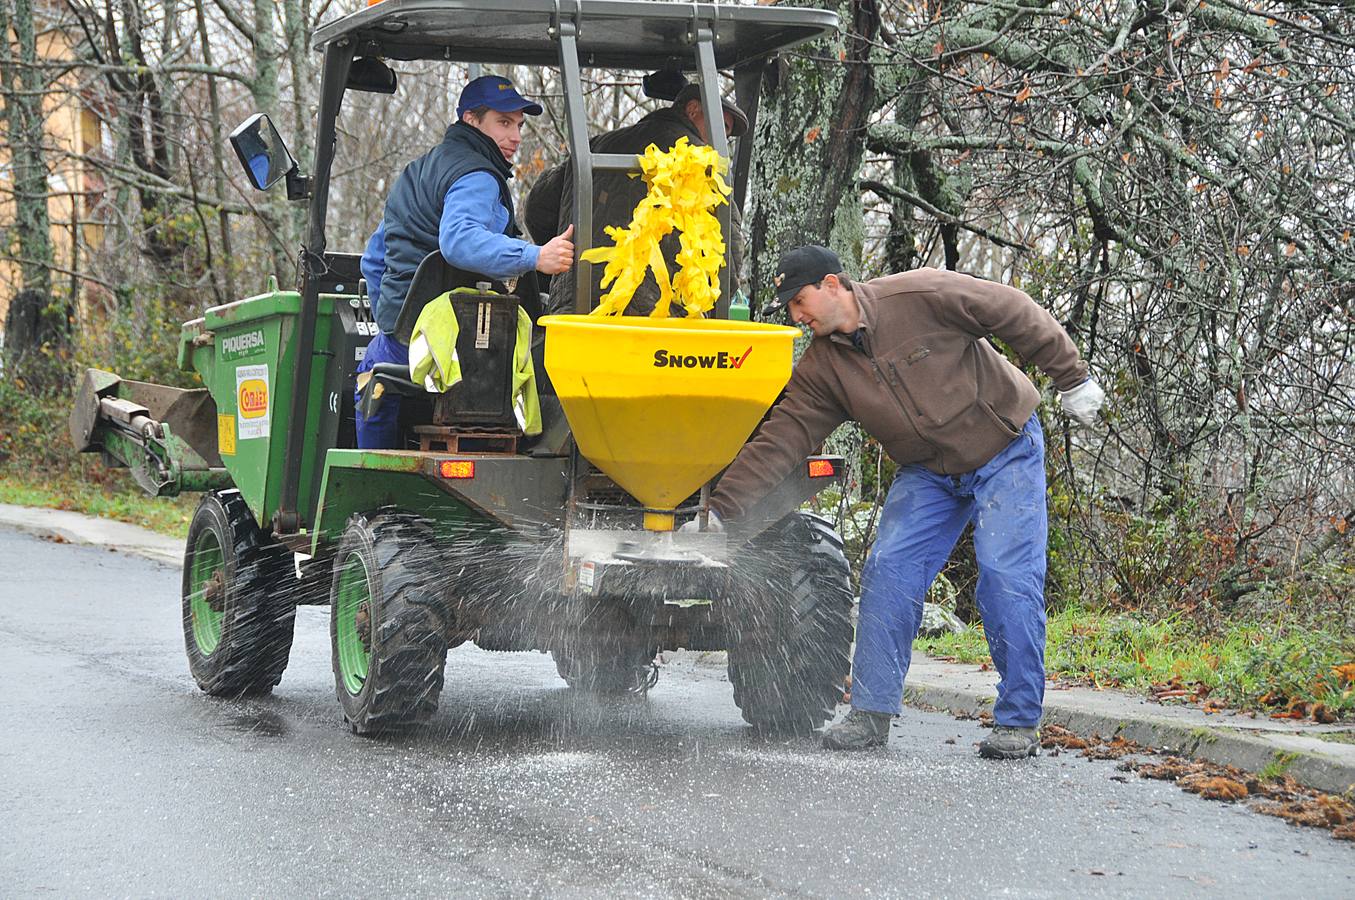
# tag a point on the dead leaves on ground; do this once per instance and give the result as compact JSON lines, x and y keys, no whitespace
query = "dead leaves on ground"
{"x":1322,"y":811}
{"x":1056,"y":737}
{"x":1213,"y":787}
{"x":1285,"y":707}
{"x":1282,"y":796}
{"x":1175,"y":689}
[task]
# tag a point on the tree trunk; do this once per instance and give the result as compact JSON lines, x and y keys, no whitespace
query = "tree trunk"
{"x":273,"y":209}
{"x":226,"y":270}
{"x":21,"y":88}
{"x":302,"y":64}
{"x":810,"y":138}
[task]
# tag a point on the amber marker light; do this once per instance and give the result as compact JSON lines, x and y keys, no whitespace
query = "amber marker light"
{"x":457,"y":468}
{"x":821,"y":468}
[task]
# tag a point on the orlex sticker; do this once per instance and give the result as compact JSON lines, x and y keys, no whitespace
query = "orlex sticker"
{"x":225,"y":435}
{"x":251,"y":397}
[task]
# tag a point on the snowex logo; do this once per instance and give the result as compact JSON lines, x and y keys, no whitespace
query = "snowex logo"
{"x":665,"y":359}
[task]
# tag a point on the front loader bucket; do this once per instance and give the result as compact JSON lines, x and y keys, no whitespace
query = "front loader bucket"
{"x":190,"y":413}
{"x":662,"y":405}
{"x":165,"y":435}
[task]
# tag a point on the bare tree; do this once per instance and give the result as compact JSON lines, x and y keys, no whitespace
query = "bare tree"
{"x":21,"y":89}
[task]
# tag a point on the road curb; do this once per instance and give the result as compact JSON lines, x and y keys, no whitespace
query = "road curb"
{"x":1318,"y":764}
{"x":78,"y":528}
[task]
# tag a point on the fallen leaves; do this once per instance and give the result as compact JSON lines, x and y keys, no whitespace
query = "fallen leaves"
{"x":1322,"y":713}
{"x":1283,"y":706}
{"x":1116,"y":748}
{"x":1176,"y":689}
{"x":1320,"y":811}
{"x":1213,"y":787}
{"x":1170,"y":770}
{"x":1057,"y":736}
{"x":1298,"y":709}
{"x":1280,"y":795}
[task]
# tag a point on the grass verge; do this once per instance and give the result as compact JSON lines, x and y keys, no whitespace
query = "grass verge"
{"x":110,"y":494}
{"x":1286,"y":670}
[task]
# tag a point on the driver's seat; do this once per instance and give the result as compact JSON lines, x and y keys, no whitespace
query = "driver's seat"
{"x":484,"y":396}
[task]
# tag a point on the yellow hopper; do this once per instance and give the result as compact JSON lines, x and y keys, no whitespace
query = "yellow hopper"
{"x":661,"y":405}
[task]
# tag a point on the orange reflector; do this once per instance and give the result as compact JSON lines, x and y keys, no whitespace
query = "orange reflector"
{"x":457,"y":468}
{"x":821,"y":468}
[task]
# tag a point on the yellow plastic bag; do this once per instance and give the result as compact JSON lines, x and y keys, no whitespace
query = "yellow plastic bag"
{"x":686,"y":184}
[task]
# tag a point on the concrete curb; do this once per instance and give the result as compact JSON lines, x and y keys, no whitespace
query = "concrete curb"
{"x":1248,"y":744}
{"x":79,"y":528}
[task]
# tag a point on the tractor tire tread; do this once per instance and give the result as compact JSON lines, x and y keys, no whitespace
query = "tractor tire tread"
{"x":792,"y":681}
{"x":408,"y":653}
{"x":254,"y":658}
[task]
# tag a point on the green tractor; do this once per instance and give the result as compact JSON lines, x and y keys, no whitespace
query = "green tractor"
{"x":474,"y":533}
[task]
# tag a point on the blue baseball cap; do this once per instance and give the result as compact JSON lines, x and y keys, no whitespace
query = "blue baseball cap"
{"x":497,"y":93}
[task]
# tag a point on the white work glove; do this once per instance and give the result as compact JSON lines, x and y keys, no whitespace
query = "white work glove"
{"x":714,"y":524}
{"x":1083,"y":402}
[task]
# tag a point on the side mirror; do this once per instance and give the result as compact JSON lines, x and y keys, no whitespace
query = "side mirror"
{"x":262,"y":153}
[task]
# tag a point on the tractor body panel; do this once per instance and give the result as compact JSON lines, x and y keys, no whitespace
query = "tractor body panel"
{"x":522,"y":494}
{"x":246,"y":354}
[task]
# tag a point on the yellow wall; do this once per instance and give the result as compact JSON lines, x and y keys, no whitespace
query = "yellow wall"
{"x":72,"y":130}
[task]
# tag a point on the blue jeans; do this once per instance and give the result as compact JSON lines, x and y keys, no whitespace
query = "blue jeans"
{"x":923,"y":517}
{"x":381,"y":431}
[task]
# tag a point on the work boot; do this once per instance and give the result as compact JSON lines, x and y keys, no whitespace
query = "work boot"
{"x":860,"y":730}
{"x":1010,"y":742}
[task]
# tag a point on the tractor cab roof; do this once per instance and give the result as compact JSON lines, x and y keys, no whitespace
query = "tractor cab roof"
{"x":618,"y":34}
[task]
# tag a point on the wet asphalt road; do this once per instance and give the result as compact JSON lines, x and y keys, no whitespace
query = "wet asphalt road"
{"x":122,"y":780}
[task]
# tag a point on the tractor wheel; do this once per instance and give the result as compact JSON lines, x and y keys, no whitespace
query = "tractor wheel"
{"x":385,"y":623}
{"x":608,"y":671}
{"x":237,"y":615}
{"x":604,"y":653}
{"x":788,"y":673}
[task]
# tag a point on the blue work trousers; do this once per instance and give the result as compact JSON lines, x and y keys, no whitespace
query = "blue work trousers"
{"x":923,"y":517}
{"x":381,"y":431}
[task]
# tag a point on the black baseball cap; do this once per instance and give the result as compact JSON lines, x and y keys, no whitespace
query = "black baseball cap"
{"x":799,"y":267}
{"x":693,"y":92}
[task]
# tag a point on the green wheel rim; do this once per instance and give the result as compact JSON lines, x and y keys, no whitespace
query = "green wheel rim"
{"x":354,"y":595}
{"x":208,"y":560}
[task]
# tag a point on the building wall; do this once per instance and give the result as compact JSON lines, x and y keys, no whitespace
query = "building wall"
{"x":73,"y":131}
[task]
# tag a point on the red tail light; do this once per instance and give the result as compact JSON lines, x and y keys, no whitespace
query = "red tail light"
{"x":821,"y":468}
{"x":457,"y":468}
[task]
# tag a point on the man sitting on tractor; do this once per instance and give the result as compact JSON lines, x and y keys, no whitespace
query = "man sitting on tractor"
{"x":617,"y":193}
{"x":454,"y":198}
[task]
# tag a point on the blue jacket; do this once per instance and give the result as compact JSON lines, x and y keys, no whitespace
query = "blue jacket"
{"x":455,"y":198}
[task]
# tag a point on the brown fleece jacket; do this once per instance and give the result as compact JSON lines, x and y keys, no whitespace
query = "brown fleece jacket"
{"x":924,"y":382}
